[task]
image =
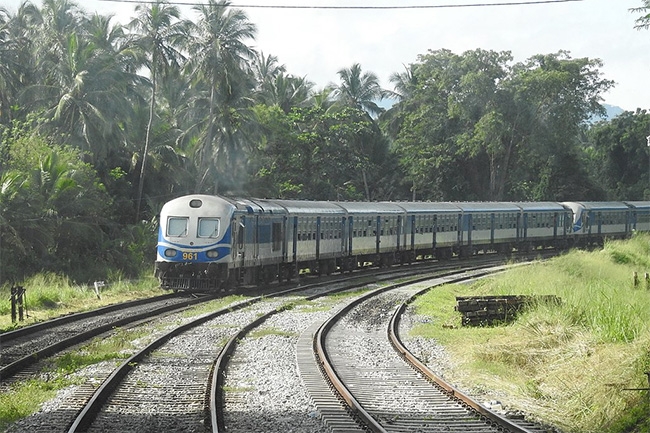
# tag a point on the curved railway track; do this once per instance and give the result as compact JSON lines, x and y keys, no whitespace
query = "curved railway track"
{"x":380,"y":390}
{"x":170,"y":385}
{"x":164,"y":386}
{"x":26,"y":346}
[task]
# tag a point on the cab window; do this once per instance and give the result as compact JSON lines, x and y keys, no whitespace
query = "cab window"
{"x":208,"y":227}
{"x":177,"y":226}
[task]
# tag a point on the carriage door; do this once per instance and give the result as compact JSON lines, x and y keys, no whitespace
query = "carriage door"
{"x":256,"y":238}
{"x":238,"y":248}
{"x":525,"y":230}
{"x":342,"y":235}
{"x":350,"y":234}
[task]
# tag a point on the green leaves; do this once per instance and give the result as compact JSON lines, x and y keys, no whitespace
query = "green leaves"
{"x":497,"y":122}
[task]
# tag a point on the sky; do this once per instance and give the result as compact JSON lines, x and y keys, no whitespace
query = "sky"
{"x":317,"y":43}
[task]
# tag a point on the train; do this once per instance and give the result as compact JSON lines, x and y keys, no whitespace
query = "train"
{"x":214,"y":243}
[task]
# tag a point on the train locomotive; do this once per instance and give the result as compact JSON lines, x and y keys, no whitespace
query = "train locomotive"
{"x":209,"y":243}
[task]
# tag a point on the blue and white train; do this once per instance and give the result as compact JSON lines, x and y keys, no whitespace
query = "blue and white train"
{"x":208,"y":243}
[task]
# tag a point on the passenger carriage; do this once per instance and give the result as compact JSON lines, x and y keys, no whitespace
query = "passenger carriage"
{"x":430,"y":229}
{"x":314,"y":234}
{"x":489,"y":226}
{"x":593,"y":222}
{"x":545,"y":224}
{"x":639,"y":215}
{"x":374,"y":232}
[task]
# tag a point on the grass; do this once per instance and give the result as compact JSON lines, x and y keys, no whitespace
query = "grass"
{"x":51,"y":295}
{"x":24,"y":398}
{"x":567,"y":364}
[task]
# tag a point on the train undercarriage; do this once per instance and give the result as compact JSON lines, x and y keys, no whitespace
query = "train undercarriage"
{"x":202,"y":277}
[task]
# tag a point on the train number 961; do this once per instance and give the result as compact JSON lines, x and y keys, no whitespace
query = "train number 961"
{"x":190,"y":256}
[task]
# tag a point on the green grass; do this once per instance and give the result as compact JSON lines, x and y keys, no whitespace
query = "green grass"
{"x":25,"y":398}
{"x":50,"y":295}
{"x":567,"y":364}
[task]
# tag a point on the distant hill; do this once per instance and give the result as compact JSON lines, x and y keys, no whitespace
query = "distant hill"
{"x":611,"y":112}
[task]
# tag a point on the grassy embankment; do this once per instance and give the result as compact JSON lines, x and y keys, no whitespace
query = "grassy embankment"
{"x":50,"y":295}
{"x":568,"y":365}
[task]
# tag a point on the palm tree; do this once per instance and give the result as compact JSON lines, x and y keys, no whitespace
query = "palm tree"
{"x":359,"y":90}
{"x":160,"y":34}
{"x":82,"y":75}
{"x":266,"y":69}
{"x":218,"y":68}
{"x":404,"y":83}
{"x":12,"y":65}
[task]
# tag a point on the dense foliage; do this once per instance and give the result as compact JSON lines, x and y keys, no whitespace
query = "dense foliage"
{"x":102,"y":123}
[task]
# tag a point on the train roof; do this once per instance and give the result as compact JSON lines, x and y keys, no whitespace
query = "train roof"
{"x":542,"y":206}
{"x":309,"y":207}
{"x":428,"y":207}
{"x":472,"y":207}
{"x":597,"y":205}
{"x":374,"y":208}
{"x":196,"y":201}
{"x":640,"y":205}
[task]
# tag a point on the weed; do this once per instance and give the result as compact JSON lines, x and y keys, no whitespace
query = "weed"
{"x":569,"y":363}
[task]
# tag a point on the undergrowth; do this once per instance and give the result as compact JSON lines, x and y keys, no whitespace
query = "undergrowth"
{"x":49,"y":295}
{"x":569,"y":364}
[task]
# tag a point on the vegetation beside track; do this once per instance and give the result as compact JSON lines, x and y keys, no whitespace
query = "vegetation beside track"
{"x":50,"y":295}
{"x":569,"y":365}
{"x":25,"y":398}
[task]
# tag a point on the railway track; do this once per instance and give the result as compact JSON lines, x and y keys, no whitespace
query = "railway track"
{"x":164,"y":386}
{"x":24,"y":347}
{"x":381,"y":391}
{"x":169,"y":385}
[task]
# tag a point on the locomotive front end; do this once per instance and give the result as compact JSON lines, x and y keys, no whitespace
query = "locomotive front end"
{"x":194,"y":243}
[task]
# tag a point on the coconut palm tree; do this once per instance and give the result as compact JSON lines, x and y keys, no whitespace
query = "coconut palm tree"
{"x":218,"y":67}
{"x":359,"y":89}
{"x":160,"y":34}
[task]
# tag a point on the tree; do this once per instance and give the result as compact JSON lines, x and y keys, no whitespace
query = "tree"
{"x":503,"y":127}
{"x":53,"y":210}
{"x":359,"y":89}
{"x":159,"y":36}
{"x":218,"y":68}
{"x":618,"y":155}
{"x":316,"y":154}
{"x":84,"y":85}
{"x":643,"y":22}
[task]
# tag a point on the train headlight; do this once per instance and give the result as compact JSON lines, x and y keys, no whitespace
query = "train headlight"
{"x":169,"y":252}
{"x":213,"y":254}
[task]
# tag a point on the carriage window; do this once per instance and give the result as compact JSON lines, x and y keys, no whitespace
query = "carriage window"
{"x":208,"y":227}
{"x":177,"y":226}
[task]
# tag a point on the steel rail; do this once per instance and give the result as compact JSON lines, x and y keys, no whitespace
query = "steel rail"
{"x":62,"y":320}
{"x":88,"y":414}
{"x":10,"y":370}
{"x":428,"y":374}
{"x":331,"y":375}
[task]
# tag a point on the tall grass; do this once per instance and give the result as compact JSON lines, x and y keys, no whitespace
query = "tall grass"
{"x":49,"y":295}
{"x":568,"y":364}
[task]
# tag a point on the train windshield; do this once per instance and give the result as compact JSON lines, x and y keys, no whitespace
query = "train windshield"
{"x":177,"y":226}
{"x":208,"y":227}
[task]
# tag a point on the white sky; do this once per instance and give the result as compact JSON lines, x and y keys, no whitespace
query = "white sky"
{"x":317,"y":43}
